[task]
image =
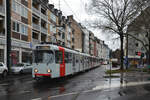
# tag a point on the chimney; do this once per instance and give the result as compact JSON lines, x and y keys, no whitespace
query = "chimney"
{"x":71,"y":16}
{"x":51,"y":6}
{"x":56,"y":11}
{"x":63,"y":18}
{"x":60,"y":13}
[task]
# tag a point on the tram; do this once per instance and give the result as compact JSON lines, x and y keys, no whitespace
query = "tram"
{"x":55,"y":61}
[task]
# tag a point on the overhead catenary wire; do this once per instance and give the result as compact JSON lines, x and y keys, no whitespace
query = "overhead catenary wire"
{"x":59,"y":6}
{"x":71,"y":10}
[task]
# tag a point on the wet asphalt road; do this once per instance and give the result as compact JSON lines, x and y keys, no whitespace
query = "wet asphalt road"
{"x":90,"y":85}
{"x":23,"y":87}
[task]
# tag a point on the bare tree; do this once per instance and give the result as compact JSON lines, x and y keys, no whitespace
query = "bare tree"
{"x":114,"y":17}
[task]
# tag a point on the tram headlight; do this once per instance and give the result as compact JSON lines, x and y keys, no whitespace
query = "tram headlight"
{"x":48,"y":70}
{"x":35,"y":70}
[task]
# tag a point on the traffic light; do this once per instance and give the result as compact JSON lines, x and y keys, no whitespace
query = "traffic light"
{"x":142,"y":55}
{"x":138,"y":53}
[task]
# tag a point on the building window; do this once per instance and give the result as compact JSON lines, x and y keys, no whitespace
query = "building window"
{"x":18,"y":7}
{"x":20,"y":28}
{"x":137,"y":44}
{"x":24,"y":29}
{"x":26,"y":57}
{"x":14,"y":5}
{"x":24,"y":12}
{"x":53,"y":29}
{"x":16,"y":27}
{"x":63,"y":35}
{"x":53,"y":17}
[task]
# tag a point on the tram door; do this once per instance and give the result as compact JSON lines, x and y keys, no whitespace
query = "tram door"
{"x":77,"y":63}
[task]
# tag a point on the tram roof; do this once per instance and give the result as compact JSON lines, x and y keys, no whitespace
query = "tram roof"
{"x":56,"y":47}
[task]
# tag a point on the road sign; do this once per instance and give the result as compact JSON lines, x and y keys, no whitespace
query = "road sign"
{"x":30,"y":44}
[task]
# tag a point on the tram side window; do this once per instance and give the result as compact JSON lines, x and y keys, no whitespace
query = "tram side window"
{"x":70,"y":58}
{"x":81,"y":59}
{"x":58,"y":57}
{"x":66,"y":57}
{"x":77,"y":59}
{"x":73,"y":55}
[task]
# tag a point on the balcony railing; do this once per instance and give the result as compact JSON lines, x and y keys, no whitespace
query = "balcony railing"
{"x":2,"y":9}
{"x":68,"y":38}
{"x":44,"y":30}
{"x":35,"y":41}
{"x":36,"y":26}
{"x":35,"y":11}
{"x":44,"y":17}
{"x":2,"y":34}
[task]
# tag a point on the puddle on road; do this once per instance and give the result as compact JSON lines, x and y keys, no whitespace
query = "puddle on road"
{"x":116,"y":83}
{"x":61,"y":89}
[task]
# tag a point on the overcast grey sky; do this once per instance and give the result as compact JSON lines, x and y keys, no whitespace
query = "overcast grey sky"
{"x":77,"y":8}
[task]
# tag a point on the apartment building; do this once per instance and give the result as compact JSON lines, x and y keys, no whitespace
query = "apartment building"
{"x":140,"y":29}
{"x":21,"y":31}
{"x":86,"y":33}
{"x":2,"y":31}
{"x":69,"y":35}
{"x":32,"y":22}
{"x":62,"y":31}
{"x":91,"y":43}
{"x":95,"y":46}
{"x":35,"y":21}
{"x":76,"y":34}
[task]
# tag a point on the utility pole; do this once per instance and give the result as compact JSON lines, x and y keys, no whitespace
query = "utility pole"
{"x":8,"y":30}
{"x":59,"y":5}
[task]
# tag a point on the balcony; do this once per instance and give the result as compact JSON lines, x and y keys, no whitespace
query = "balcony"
{"x":44,"y":30}
{"x":68,"y":38}
{"x":2,"y":10}
{"x":44,"y":17}
{"x":36,"y":11}
{"x":2,"y":34}
{"x":36,"y":26}
{"x":35,"y":41}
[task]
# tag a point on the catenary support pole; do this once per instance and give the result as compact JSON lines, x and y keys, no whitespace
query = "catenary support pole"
{"x":8,"y":32}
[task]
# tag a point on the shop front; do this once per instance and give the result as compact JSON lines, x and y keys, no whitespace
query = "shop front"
{"x":1,"y":55}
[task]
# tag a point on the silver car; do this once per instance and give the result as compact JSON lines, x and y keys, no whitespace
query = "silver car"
{"x":21,"y":68}
{"x":3,"y":69}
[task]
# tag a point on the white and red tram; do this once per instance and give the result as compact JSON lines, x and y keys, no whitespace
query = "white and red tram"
{"x":55,"y":61}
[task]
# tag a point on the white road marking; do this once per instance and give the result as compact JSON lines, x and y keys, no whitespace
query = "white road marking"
{"x":72,"y":93}
{"x":37,"y":99}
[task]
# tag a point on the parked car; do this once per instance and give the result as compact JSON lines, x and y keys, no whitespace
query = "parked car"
{"x":104,"y":62}
{"x":21,"y":68}
{"x":3,"y":69}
